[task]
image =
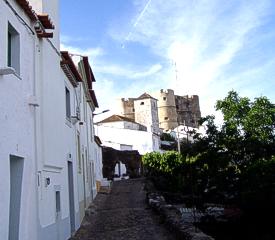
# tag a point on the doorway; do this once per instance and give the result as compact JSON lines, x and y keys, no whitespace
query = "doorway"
{"x":71,"y":196}
{"x":16,"y":176}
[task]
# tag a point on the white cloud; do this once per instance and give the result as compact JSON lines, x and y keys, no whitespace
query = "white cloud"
{"x":90,"y":52}
{"x":204,"y":38}
{"x":130,"y":72}
{"x":201,"y":37}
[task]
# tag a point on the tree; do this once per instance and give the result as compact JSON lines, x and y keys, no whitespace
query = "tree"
{"x":248,"y":128}
{"x":245,"y":142}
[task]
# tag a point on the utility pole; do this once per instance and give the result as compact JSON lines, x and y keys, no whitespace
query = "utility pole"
{"x":178,"y":133}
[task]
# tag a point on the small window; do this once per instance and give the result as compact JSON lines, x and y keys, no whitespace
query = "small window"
{"x":142,"y":103}
{"x":57,"y":202}
{"x":177,"y":106}
{"x":91,"y":129}
{"x":164,"y":98}
{"x":68,"y":104}
{"x":87,"y":169}
{"x":166,"y":118}
{"x":84,"y":108}
{"x":78,"y":152}
{"x":133,"y":110}
{"x":13,"y":49}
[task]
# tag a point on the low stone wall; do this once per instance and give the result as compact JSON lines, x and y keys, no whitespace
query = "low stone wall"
{"x":173,"y":219}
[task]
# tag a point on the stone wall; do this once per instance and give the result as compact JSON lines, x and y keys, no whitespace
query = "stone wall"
{"x":188,"y":110}
{"x":126,"y":108}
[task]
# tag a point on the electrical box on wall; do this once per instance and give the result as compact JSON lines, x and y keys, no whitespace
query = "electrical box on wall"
{"x":69,"y":156}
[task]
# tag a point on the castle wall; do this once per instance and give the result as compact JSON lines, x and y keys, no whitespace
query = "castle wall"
{"x":188,"y":110}
{"x":167,"y":109}
{"x":126,"y":108}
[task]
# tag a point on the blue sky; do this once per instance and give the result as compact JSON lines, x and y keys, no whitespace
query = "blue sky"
{"x":135,"y":46}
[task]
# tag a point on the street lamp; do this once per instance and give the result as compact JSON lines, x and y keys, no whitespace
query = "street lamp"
{"x":104,"y":111}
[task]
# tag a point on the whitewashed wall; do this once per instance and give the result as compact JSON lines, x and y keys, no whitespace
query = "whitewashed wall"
{"x":114,"y":137}
{"x":41,"y":135}
{"x":16,"y":125}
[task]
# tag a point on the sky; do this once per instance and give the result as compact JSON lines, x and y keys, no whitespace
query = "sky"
{"x":195,"y":47}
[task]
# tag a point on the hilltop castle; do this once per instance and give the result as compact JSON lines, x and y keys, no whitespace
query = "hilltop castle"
{"x":174,"y":110}
{"x":165,"y":111}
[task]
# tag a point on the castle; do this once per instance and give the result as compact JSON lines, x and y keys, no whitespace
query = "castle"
{"x":143,"y":110}
{"x":166,"y":110}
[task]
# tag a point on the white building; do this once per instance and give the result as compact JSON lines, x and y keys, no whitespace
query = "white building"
{"x":123,"y":133}
{"x":49,"y":155}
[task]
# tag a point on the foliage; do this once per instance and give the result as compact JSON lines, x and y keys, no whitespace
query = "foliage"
{"x":167,"y":162}
{"x":232,"y":163}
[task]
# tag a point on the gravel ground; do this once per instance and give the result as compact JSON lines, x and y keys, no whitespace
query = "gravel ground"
{"x":122,"y":214}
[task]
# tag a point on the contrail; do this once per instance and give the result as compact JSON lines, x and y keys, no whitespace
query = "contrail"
{"x":137,"y":21}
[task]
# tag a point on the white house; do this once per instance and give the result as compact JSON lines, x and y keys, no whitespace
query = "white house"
{"x":49,"y":155}
{"x":123,"y":133}
{"x":18,"y":175}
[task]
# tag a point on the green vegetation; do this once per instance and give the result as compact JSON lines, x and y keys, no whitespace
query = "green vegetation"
{"x":232,"y":164}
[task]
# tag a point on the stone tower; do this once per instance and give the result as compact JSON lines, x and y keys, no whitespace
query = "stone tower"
{"x":188,"y":110}
{"x":167,"y":109}
{"x":126,"y":107}
{"x":146,"y":112}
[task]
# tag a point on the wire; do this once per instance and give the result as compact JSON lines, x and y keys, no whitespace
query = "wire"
{"x":54,"y":48}
{"x":21,"y":20}
{"x":28,"y":27}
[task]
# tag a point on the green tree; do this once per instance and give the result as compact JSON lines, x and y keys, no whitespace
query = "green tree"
{"x":227,"y":155}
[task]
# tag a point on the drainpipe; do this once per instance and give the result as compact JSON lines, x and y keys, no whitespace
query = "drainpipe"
{"x":36,"y":157}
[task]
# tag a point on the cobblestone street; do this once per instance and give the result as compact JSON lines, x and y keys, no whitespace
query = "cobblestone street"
{"x":122,"y":214}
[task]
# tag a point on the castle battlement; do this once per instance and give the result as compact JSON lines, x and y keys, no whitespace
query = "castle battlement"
{"x":172,"y":110}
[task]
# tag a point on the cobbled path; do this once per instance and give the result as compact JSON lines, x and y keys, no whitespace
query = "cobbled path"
{"x":122,"y":214}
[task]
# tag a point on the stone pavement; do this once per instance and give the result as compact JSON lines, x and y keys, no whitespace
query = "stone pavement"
{"x":122,"y":214}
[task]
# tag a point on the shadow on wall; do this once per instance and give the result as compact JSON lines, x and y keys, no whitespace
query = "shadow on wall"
{"x":131,"y":159}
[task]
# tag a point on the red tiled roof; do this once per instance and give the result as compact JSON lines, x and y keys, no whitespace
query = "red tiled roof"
{"x":43,"y":20}
{"x":67,"y":63}
{"x":90,"y":78}
{"x":116,"y":118}
{"x":88,"y":73}
{"x":97,"y":140}
{"x":27,"y":9}
{"x":92,"y":94}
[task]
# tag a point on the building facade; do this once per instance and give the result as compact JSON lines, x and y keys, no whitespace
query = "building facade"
{"x":50,"y":159}
{"x":122,"y":133}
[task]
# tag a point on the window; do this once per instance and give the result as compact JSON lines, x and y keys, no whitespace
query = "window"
{"x":78,"y":152}
{"x":87,"y":168}
{"x":164,"y":98}
{"x":142,"y":103}
{"x":57,"y":202}
{"x":13,"y":49}
{"x":68,"y":104}
{"x":166,"y":118}
{"x":91,"y":129}
{"x":133,"y":110}
{"x":84,"y":108}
